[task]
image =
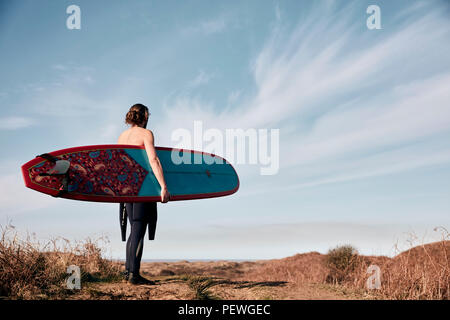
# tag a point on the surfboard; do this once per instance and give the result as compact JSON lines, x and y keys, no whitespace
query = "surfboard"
{"x":122,"y":173}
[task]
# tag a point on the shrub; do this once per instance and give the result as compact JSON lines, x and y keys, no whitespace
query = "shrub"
{"x":341,"y":261}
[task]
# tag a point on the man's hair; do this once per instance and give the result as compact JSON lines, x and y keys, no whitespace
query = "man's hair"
{"x":137,"y":115}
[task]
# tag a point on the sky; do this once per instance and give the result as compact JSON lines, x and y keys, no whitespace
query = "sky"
{"x":363,"y":117}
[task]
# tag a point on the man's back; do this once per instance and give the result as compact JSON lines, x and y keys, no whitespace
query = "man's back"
{"x":133,"y":136}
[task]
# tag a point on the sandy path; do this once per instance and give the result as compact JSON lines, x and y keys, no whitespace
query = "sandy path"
{"x":173,"y":284}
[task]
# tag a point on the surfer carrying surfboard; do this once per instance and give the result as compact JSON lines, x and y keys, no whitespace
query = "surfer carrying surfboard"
{"x":131,"y":171}
{"x":144,"y":213}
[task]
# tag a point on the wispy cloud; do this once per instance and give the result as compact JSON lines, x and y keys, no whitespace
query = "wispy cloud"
{"x":66,"y":103}
{"x":13,"y":192}
{"x":339,"y":97}
{"x":60,"y":67}
{"x":304,"y":73}
{"x":277,"y":11}
{"x":370,"y":166}
{"x":69,"y":94}
{"x":234,"y":96}
{"x":201,"y":78}
{"x":208,"y":27}
{"x":14,"y":123}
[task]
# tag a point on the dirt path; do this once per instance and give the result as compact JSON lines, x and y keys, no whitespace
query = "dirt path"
{"x":173,"y":289}
{"x":209,"y":280}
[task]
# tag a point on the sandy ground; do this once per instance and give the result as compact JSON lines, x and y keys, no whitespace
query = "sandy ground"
{"x":174,"y":280}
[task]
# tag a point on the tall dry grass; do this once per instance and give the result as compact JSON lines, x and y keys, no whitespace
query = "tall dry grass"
{"x":422,"y":272}
{"x":31,"y":270}
{"x":301,"y":268}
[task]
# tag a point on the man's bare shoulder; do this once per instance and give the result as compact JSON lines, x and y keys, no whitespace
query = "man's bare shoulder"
{"x":146,"y":132}
{"x":122,"y":136}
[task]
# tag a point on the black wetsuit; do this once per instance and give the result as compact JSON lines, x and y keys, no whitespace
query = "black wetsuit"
{"x":140,"y":215}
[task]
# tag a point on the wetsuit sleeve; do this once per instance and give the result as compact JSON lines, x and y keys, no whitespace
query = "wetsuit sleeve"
{"x":123,"y":220}
{"x":153,"y":217}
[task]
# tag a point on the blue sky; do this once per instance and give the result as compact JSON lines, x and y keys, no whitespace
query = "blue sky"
{"x":364,"y":116}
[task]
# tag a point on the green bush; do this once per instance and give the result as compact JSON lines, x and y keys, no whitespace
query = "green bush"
{"x":341,"y":261}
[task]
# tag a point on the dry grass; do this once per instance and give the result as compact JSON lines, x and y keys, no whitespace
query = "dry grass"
{"x":301,"y":268}
{"x":30,"y":270}
{"x":201,"y":285}
{"x":422,"y":272}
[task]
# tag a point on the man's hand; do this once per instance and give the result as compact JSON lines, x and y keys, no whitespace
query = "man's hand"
{"x":165,"y":195}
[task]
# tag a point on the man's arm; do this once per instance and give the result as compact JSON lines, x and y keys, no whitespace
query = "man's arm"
{"x":156,"y":164}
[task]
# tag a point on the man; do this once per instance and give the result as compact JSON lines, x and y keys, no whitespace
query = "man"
{"x":145,"y":213}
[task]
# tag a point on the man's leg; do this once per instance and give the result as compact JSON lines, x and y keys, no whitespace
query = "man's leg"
{"x":129,"y":208}
{"x":138,"y":221}
{"x":135,"y":241}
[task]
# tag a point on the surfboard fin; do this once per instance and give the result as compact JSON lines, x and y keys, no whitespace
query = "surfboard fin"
{"x":48,"y":156}
{"x":64,"y":183}
{"x":123,"y":220}
{"x":61,"y":169}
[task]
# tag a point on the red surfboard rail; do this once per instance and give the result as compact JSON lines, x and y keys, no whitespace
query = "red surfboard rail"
{"x":102,"y":198}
